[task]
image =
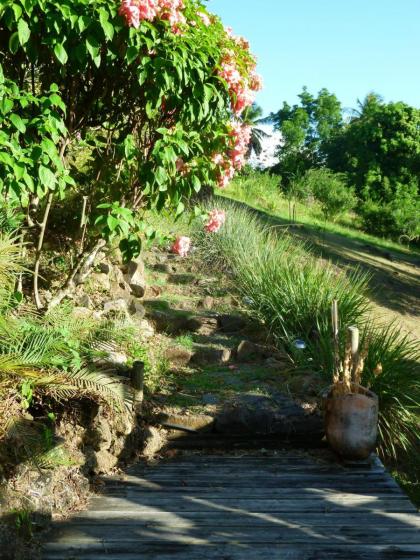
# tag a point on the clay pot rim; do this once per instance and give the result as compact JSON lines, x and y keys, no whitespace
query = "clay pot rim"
{"x":360,"y":391}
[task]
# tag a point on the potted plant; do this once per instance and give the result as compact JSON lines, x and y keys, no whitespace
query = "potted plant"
{"x":351,"y":410}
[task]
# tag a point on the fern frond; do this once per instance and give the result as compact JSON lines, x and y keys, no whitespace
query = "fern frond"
{"x":10,"y":260}
{"x":104,"y":384}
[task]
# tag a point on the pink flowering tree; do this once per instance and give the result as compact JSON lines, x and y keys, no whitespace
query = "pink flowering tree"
{"x":144,"y":98}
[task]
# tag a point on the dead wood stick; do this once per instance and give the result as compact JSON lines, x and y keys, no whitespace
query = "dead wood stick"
{"x":137,"y":383}
{"x":335,"y":328}
{"x":354,"y":342}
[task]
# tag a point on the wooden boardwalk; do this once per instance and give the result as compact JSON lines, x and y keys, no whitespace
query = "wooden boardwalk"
{"x":286,"y":507}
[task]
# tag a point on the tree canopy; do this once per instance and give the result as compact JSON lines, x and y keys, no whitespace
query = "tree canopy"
{"x":148,"y":96}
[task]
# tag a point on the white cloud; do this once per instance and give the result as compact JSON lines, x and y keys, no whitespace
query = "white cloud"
{"x":270,"y":144}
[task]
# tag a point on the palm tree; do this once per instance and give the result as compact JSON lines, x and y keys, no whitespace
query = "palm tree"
{"x":252,"y":116}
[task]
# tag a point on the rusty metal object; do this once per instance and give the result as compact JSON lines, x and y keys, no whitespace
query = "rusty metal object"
{"x":351,"y":422}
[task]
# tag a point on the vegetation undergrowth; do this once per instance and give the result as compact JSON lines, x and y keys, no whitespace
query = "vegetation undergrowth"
{"x":47,"y":359}
{"x":262,"y":191}
{"x":291,"y":292}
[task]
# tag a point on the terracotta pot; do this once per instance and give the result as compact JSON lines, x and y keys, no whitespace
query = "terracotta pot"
{"x":351,"y":423}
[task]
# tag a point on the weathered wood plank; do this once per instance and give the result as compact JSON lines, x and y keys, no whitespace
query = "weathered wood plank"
{"x":290,"y":508}
{"x":398,"y":551}
{"x":188,"y":519}
{"x":271,"y":469}
{"x":227,"y":492}
{"x":264,"y":481}
{"x":252,"y":482}
{"x":128,"y":535}
{"x":190,"y":503}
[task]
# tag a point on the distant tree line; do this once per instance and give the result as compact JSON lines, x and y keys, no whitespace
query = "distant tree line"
{"x":369,"y":157}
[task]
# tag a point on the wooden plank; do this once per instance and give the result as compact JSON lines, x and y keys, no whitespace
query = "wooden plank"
{"x":266,"y":481}
{"x":251,"y":475}
{"x":221,"y":461}
{"x":238,"y":552}
{"x":292,"y":508}
{"x":191,"y":503}
{"x":226,"y":491}
{"x":274,"y":469}
{"x":128,"y":535}
{"x":188,"y":519}
{"x":253,"y":482}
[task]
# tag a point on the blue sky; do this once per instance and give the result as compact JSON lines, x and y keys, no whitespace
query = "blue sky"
{"x":351,"y":47}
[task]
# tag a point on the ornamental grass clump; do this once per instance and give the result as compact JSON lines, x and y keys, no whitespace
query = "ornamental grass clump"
{"x":289,"y":289}
{"x":397,"y":384}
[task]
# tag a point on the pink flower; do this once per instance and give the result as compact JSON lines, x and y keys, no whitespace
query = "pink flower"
{"x":216,"y":219}
{"x":170,"y":10}
{"x":131,"y":12}
{"x":241,"y":136}
{"x":244,"y":98}
{"x":204,"y":18}
{"x":136,"y":10}
{"x":242,"y":42}
{"x":256,"y":83}
{"x":240,"y":88}
{"x":217,"y":159}
{"x":226,"y":175}
{"x":230,"y":74}
{"x":181,"y":246}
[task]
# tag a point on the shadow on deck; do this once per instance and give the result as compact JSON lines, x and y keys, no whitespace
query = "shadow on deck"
{"x":290,"y":505}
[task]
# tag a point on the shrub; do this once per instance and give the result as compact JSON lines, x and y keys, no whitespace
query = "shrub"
{"x":119,"y":110}
{"x":257,"y":188}
{"x":331,"y":191}
{"x":399,"y":219}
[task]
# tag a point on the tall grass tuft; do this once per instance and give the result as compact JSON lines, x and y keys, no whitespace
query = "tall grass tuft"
{"x":288,"y":288}
{"x":291,"y":292}
{"x":397,"y":386}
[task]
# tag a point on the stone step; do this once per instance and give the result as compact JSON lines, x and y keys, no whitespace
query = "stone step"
{"x":181,"y":440}
{"x":250,"y":420}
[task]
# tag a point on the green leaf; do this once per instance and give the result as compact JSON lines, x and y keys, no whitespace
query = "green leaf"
{"x":57,"y":101}
{"x":6,"y":105}
{"x":131,"y":54}
{"x":6,"y":159}
{"x":196,"y":183}
{"x":130,"y":248}
{"x":161,"y":177}
{"x":93,"y":48}
{"x":49,"y":147}
{"x":46,"y":177}
{"x":112,"y":223}
{"x":14,"y":43}
{"x":180,"y":209}
{"x":23,"y":32}
{"x":83,"y":22}
{"x":17,"y":10}
{"x":107,"y":27}
{"x":18,"y":123}
{"x":61,"y":53}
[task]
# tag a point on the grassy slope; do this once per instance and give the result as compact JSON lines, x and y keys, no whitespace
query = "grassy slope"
{"x":395,"y":285}
{"x":262,"y":193}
